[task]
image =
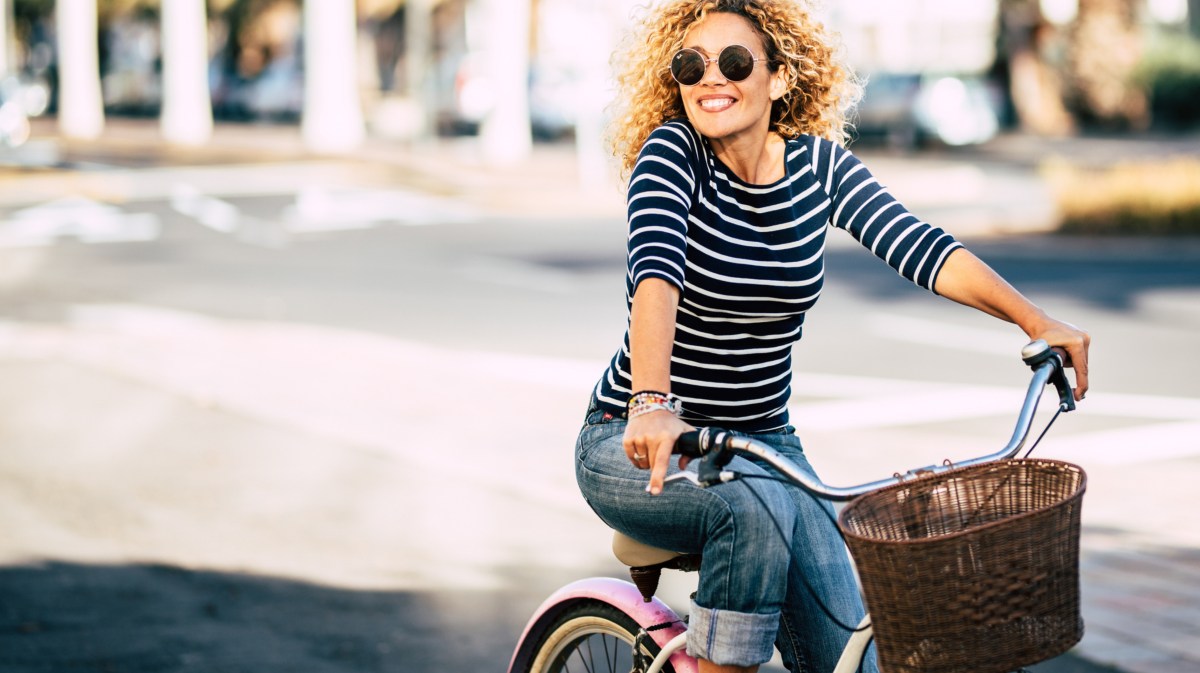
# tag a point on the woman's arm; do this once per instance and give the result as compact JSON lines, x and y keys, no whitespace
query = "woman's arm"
{"x":651,"y":337}
{"x":968,"y":281}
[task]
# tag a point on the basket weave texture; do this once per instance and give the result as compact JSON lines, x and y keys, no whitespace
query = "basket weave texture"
{"x":974,"y":569}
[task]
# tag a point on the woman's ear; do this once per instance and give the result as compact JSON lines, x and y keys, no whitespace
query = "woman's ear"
{"x":778,"y":84}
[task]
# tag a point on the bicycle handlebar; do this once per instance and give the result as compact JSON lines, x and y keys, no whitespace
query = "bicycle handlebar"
{"x":716,"y":447}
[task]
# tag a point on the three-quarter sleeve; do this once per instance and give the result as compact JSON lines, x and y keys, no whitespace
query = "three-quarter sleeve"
{"x":869,"y":212}
{"x":660,"y":195}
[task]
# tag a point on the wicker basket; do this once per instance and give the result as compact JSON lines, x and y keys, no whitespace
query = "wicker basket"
{"x":975,"y":569}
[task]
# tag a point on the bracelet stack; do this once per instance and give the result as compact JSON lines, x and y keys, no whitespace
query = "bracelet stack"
{"x":646,"y":401}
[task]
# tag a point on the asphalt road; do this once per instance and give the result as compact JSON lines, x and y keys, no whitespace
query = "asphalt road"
{"x":248,"y":447}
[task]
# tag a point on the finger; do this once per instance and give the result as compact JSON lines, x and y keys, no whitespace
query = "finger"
{"x":634,"y":453}
{"x":1079,"y":360}
{"x":661,"y":456}
{"x":683,"y":462}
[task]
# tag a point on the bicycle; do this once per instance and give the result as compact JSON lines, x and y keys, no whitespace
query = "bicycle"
{"x":609,"y":624}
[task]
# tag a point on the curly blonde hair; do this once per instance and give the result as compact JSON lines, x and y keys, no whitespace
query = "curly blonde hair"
{"x":821,"y":91}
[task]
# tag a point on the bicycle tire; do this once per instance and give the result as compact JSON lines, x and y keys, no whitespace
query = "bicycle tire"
{"x":579,"y":636}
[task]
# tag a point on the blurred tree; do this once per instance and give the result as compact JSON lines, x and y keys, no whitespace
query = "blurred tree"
{"x":1029,"y":59}
{"x":259,"y":31}
{"x":1080,"y":73}
{"x":1170,"y":74}
{"x":106,"y":10}
{"x":1104,"y":46}
{"x":259,"y":45}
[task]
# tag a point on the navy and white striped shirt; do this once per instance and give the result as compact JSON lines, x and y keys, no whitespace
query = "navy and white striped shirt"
{"x":749,"y":262}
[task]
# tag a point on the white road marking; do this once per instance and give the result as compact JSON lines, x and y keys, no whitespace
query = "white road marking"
{"x":79,"y":218}
{"x":319,"y":209}
{"x":213,"y":213}
{"x":227,"y":218}
{"x":1132,"y":445}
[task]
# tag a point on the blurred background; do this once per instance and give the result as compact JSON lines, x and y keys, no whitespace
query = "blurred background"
{"x":301,"y":304}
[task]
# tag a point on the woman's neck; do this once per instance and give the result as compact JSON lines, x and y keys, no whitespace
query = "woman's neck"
{"x":757,"y":161}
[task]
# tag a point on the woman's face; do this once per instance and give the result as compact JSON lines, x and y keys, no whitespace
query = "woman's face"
{"x":721,"y":109}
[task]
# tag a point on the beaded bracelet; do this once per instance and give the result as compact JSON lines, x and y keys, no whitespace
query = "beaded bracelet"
{"x":646,"y":401}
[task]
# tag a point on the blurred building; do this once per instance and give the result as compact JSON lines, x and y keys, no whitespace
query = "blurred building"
{"x":948,"y":70}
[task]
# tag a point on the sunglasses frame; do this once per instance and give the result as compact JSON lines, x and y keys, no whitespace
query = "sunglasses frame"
{"x":709,"y":61}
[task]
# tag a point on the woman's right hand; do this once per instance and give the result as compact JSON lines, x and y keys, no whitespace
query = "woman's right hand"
{"x":649,"y":441}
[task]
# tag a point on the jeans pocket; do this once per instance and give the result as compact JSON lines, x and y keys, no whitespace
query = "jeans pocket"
{"x":595,"y":434}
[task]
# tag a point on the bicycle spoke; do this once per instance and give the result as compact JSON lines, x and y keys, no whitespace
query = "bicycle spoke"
{"x":592,"y":668}
{"x":587,"y":643}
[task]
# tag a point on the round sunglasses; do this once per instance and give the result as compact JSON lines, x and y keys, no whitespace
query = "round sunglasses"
{"x":735,"y":63}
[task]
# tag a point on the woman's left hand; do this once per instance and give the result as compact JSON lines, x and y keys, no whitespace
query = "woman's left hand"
{"x":1075,"y":342}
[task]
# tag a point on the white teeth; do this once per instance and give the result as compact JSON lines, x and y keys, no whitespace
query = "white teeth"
{"x":716,"y":102}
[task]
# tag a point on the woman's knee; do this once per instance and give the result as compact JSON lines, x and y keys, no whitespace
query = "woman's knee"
{"x":760,"y":512}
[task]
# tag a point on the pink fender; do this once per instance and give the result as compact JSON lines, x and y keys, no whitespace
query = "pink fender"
{"x":625,"y":597}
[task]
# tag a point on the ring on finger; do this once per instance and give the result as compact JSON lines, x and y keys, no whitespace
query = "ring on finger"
{"x":638,"y":456}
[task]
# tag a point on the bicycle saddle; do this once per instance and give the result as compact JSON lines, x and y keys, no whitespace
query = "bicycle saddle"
{"x":646,"y":562}
{"x":636,"y":555}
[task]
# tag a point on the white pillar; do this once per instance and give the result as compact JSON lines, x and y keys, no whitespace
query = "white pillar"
{"x":187,"y":107}
{"x":332,"y":121}
{"x":6,"y":63}
{"x":418,"y":45}
{"x":505,"y":136}
{"x":80,"y":109}
{"x":595,"y":90}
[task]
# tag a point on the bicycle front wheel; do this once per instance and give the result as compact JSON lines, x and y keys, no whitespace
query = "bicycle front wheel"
{"x":588,"y":637}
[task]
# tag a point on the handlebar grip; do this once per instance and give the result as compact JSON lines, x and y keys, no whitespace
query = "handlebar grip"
{"x":688,"y":444}
{"x":1038,"y":352}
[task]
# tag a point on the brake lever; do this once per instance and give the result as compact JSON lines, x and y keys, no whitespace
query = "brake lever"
{"x":719,"y":477}
{"x":683,"y":475}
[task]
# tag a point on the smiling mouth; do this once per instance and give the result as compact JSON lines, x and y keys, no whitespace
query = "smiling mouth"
{"x":716,"y":104}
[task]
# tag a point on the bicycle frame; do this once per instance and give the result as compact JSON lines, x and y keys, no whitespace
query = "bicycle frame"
{"x":661,"y":624}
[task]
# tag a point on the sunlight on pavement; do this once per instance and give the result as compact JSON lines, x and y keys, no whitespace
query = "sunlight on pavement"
{"x":139,"y":434}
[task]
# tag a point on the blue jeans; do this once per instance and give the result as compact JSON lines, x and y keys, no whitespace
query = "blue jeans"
{"x":752,"y":592}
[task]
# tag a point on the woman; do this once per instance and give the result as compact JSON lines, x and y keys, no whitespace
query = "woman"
{"x":735,"y":109}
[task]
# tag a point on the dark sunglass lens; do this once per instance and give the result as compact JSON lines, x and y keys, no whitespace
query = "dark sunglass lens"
{"x":736,"y":62}
{"x":687,"y":67}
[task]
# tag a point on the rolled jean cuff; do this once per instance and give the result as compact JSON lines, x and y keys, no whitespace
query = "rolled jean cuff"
{"x":731,"y":638}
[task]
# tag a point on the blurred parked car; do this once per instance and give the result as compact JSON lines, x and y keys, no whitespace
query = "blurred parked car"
{"x":554,"y":99}
{"x":131,"y":79}
{"x":274,"y":94}
{"x":908,"y":109}
{"x":465,"y":99}
{"x":20,"y":99}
